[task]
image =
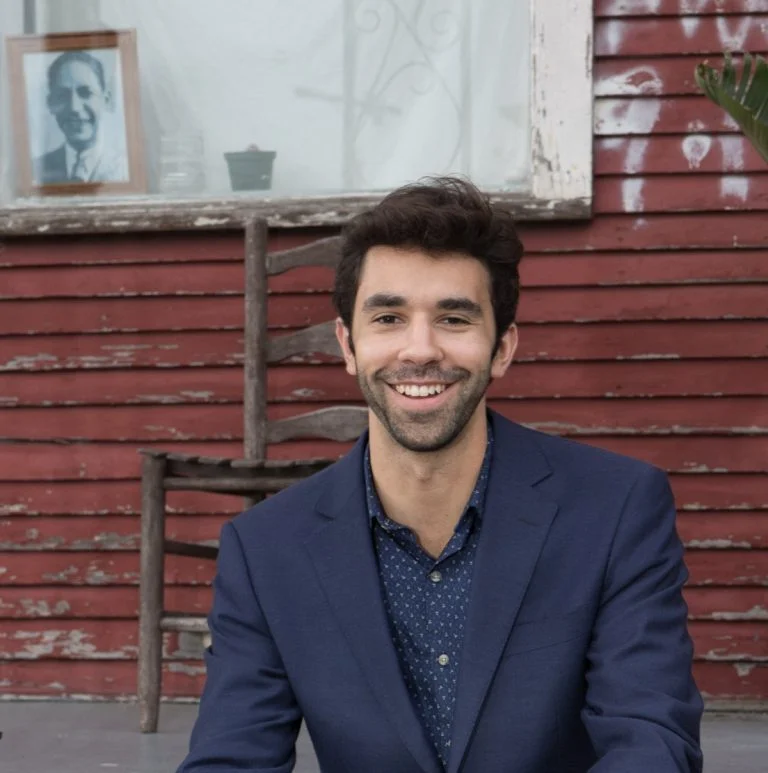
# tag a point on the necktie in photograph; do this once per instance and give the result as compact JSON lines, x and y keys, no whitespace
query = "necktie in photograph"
{"x":78,"y":170}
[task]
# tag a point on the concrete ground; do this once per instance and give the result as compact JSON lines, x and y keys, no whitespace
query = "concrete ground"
{"x":61,"y":737}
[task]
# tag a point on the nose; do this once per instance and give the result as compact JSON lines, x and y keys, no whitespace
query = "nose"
{"x":420,"y":344}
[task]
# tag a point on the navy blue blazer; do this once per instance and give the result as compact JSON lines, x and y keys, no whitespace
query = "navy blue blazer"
{"x":576,"y":655}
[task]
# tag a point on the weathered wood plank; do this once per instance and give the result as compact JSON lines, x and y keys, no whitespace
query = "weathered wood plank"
{"x":720,"y":492}
{"x":661,"y":36}
{"x":743,"y":681}
{"x":537,"y":271}
{"x":741,"y":641}
{"x":117,"y":640}
{"x":703,"y":193}
{"x":667,"y":378}
{"x":648,"y":340}
{"x":560,"y":304}
{"x":711,"y":530}
{"x":147,"y":248}
{"x":641,"y":76}
{"x":631,"y":116}
{"x":723,"y":530}
{"x":707,"y":567}
{"x":103,"y":602}
{"x":83,"y":603}
{"x":104,"y":532}
{"x":118,"y":461}
{"x":85,"y":498}
{"x":723,"y":230}
{"x":726,"y":604}
{"x":727,"y":567}
{"x":687,"y":154}
{"x":685,"y":8}
{"x":149,"y":423}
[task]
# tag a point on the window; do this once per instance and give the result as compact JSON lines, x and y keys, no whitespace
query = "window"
{"x":302,"y":105}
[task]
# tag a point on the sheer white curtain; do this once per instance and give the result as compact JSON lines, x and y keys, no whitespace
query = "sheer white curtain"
{"x":353,"y":95}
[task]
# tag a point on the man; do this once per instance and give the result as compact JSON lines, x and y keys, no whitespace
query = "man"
{"x":78,"y":98}
{"x":458,"y":593}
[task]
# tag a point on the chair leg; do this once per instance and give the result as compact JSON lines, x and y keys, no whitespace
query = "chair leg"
{"x":151,"y":581}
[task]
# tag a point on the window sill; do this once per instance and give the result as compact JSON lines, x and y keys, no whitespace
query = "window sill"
{"x":153,"y":214}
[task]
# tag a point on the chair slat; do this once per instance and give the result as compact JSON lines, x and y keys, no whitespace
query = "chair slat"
{"x":318,"y":339}
{"x":342,"y":423}
{"x":322,"y":252}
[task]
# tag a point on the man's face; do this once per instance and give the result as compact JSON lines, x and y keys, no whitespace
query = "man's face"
{"x":422,"y":341}
{"x":77,"y":101}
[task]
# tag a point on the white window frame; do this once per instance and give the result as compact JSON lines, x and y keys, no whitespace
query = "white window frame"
{"x":561,"y":142}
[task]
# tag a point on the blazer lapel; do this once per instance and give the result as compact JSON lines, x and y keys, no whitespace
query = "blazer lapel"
{"x":343,"y":556}
{"x":515,"y":523}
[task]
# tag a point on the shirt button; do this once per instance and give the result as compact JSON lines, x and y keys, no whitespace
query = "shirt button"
{"x":435,"y":576}
{"x":443,"y":660}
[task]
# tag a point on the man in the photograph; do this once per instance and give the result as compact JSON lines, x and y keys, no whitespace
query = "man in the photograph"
{"x":460,"y":593}
{"x":78,"y":97}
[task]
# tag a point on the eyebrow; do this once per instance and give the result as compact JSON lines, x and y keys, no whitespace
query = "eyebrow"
{"x":390,"y":301}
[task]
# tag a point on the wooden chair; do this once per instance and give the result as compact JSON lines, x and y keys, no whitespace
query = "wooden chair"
{"x":252,"y":476}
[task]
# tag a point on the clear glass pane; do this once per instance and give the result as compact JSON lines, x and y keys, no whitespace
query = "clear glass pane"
{"x":295,"y":97}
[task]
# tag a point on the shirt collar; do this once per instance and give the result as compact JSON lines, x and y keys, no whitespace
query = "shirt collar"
{"x":476,"y":500}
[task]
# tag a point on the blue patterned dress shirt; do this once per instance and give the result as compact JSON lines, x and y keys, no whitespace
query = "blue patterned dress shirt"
{"x":426,"y":600}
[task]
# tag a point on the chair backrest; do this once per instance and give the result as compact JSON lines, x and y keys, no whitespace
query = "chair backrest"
{"x":340,"y":423}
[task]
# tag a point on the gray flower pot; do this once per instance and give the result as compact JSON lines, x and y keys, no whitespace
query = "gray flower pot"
{"x":250,"y":170}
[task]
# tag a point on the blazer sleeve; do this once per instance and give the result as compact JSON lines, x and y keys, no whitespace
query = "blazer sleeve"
{"x":249,"y":717}
{"x":642,"y":709}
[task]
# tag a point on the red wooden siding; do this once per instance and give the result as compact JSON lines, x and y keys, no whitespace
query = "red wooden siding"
{"x":644,"y":331}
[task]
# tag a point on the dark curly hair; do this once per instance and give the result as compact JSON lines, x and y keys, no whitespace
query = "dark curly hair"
{"x":437,"y":215}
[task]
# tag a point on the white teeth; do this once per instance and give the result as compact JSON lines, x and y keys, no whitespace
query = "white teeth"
{"x":415,"y":390}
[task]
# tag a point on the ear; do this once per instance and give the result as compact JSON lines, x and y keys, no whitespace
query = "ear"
{"x":505,"y":352}
{"x":342,"y":336}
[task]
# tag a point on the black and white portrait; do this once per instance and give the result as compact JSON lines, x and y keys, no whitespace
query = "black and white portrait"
{"x":75,"y":106}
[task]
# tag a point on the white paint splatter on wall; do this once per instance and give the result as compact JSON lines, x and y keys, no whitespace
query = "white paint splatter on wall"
{"x":696,"y":148}
{"x":733,"y":35}
{"x":734,"y":186}
{"x":732,"y":149}
{"x":637,"y":81}
{"x":612,"y":35}
{"x":632,"y":194}
{"x":691,"y":19}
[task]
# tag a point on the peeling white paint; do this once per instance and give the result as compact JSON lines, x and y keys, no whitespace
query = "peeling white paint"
{"x":696,"y":148}
{"x":637,"y":81}
{"x":633,"y":7}
{"x":691,"y":13}
{"x":716,"y":544}
{"x":735,"y":186}
{"x":632,"y":195}
{"x":733,"y":34}
{"x":732,"y":149}
{"x":755,"y":613}
{"x":38,"y":608}
{"x":188,"y":670}
{"x":612,"y":35}
{"x":744,"y":669}
{"x":627,"y":116}
{"x":201,"y":222}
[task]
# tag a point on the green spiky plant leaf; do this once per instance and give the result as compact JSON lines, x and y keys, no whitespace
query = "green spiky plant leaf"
{"x":744,"y":96}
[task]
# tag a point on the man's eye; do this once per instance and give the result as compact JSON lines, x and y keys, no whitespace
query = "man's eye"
{"x":84,"y":92}
{"x":385,"y":319}
{"x":455,"y":321}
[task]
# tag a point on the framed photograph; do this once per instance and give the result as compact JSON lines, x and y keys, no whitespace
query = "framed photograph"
{"x":75,"y":113}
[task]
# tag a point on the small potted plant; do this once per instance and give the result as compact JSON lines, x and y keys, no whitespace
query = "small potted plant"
{"x":250,"y":169}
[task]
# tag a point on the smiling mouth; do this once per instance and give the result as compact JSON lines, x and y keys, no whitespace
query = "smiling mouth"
{"x":420,"y":390}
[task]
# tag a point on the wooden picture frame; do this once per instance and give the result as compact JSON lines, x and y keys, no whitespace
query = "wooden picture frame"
{"x":76,"y":113}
